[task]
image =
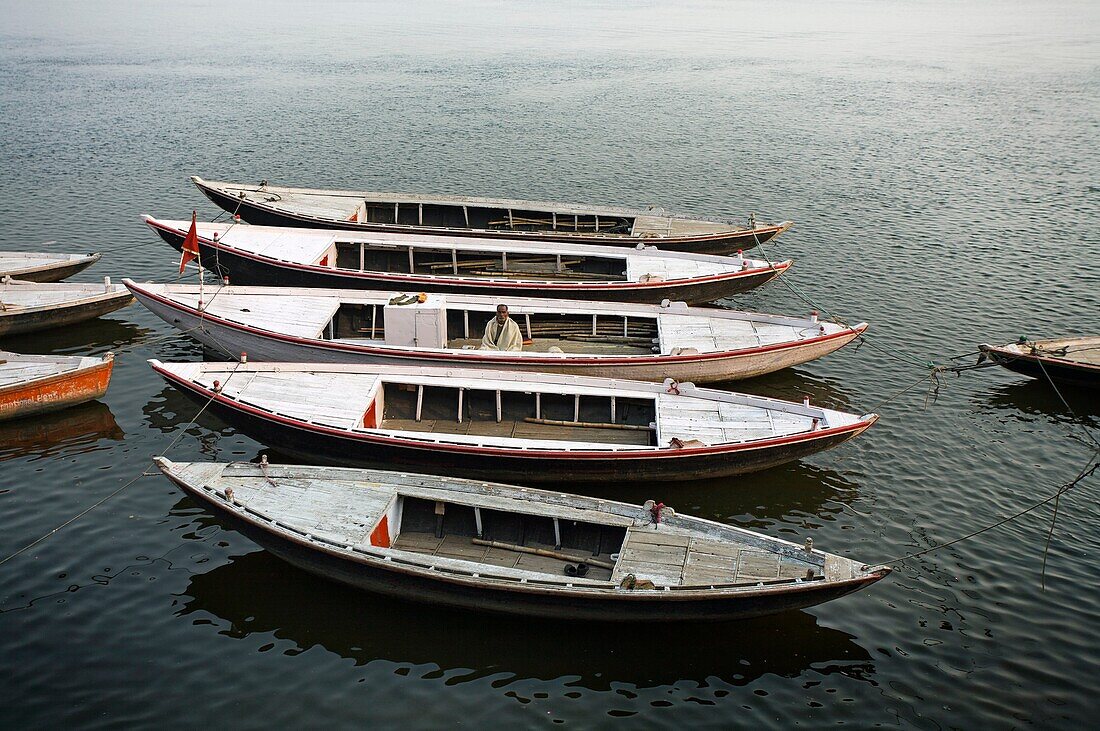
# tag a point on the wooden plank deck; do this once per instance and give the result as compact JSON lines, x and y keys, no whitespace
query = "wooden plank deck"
{"x":12,"y":373}
{"x":669,"y":268}
{"x":715,"y":333}
{"x":12,"y":260}
{"x":676,"y":226}
{"x":18,"y":368}
{"x":301,"y":315}
{"x":334,"y":399}
{"x":671,"y":559}
{"x":325,"y":508}
{"x":714,"y":422}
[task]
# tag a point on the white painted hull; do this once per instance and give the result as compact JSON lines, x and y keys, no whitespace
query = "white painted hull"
{"x":709,"y":368}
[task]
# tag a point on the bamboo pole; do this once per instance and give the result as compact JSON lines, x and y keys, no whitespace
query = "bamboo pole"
{"x":591,"y":424}
{"x":544,"y":552}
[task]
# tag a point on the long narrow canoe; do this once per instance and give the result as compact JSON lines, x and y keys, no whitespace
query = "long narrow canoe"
{"x":294,"y":257}
{"x":505,"y":549}
{"x":485,"y":218}
{"x":35,"y":384}
{"x":1072,"y":361}
{"x":43,"y":267}
{"x":526,"y":427}
{"x":31,"y":306}
{"x":644,"y":342}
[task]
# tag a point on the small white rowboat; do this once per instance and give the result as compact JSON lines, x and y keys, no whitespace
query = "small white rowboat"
{"x":43,"y":267}
{"x":499,"y":548}
{"x":30,"y":306}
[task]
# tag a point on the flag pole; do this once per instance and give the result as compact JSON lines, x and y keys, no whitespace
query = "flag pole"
{"x":202,"y":279}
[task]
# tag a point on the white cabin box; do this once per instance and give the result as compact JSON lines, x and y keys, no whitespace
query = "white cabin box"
{"x":420,"y":324}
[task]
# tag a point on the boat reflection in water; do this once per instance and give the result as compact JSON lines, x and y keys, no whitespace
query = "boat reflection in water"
{"x":258,"y":594}
{"x":93,"y":337}
{"x":76,"y":430}
{"x":1027,"y":399}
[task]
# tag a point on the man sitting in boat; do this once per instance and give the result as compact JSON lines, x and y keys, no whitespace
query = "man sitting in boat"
{"x":502,"y":333}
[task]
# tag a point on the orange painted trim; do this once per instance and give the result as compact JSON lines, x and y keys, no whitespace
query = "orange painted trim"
{"x":370,"y":419}
{"x":380,"y":536}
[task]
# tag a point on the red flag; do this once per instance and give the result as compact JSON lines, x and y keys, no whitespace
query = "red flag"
{"x":190,"y":248}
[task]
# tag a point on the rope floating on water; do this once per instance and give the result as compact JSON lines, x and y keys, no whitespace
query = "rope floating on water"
{"x":1088,"y":471}
{"x":137,"y":477}
{"x":934,"y":376}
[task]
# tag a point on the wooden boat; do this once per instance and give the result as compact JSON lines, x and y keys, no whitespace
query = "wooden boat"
{"x":293,"y":257}
{"x":30,"y":306}
{"x":644,"y":342}
{"x":43,"y":267}
{"x":1072,"y":361}
{"x":506,"y":549}
{"x":485,"y":218}
{"x":35,"y":384}
{"x":512,"y":425}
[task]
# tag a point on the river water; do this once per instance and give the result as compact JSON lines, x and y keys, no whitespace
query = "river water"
{"x":941,"y":161}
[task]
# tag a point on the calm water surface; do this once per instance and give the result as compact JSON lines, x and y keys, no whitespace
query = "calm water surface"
{"x":941,"y":161}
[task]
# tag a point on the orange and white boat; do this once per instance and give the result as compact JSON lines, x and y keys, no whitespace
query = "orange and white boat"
{"x":34,"y":384}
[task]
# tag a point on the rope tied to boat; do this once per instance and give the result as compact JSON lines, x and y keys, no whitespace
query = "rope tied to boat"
{"x":862,"y":338}
{"x":1090,"y":468}
{"x":137,"y":477}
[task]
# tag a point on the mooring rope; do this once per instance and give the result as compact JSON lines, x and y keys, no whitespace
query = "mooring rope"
{"x":1087,"y":471}
{"x":798,"y":292}
{"x":1065,"y":403}
{"x":137,"y":477}
{"x":934,"y":376}
{"x":143,"y":473}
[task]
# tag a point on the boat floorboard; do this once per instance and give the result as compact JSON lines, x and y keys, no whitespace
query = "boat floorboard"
{"x":462,"y":547}
{"x":543,"y":345}
{"x":521,"y":430}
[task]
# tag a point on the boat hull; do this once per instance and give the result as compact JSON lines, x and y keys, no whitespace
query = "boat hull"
{"x":55,"y":392}
{"x":391,"y":580}
{"x":253,"y":270}
{"x":718,"y":244}
{"x":319,"y":445}
{"x":15,"y":322}
{"x":54,"y":272}
{"x":1059,"y":371}
{"x":232,"y":339}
